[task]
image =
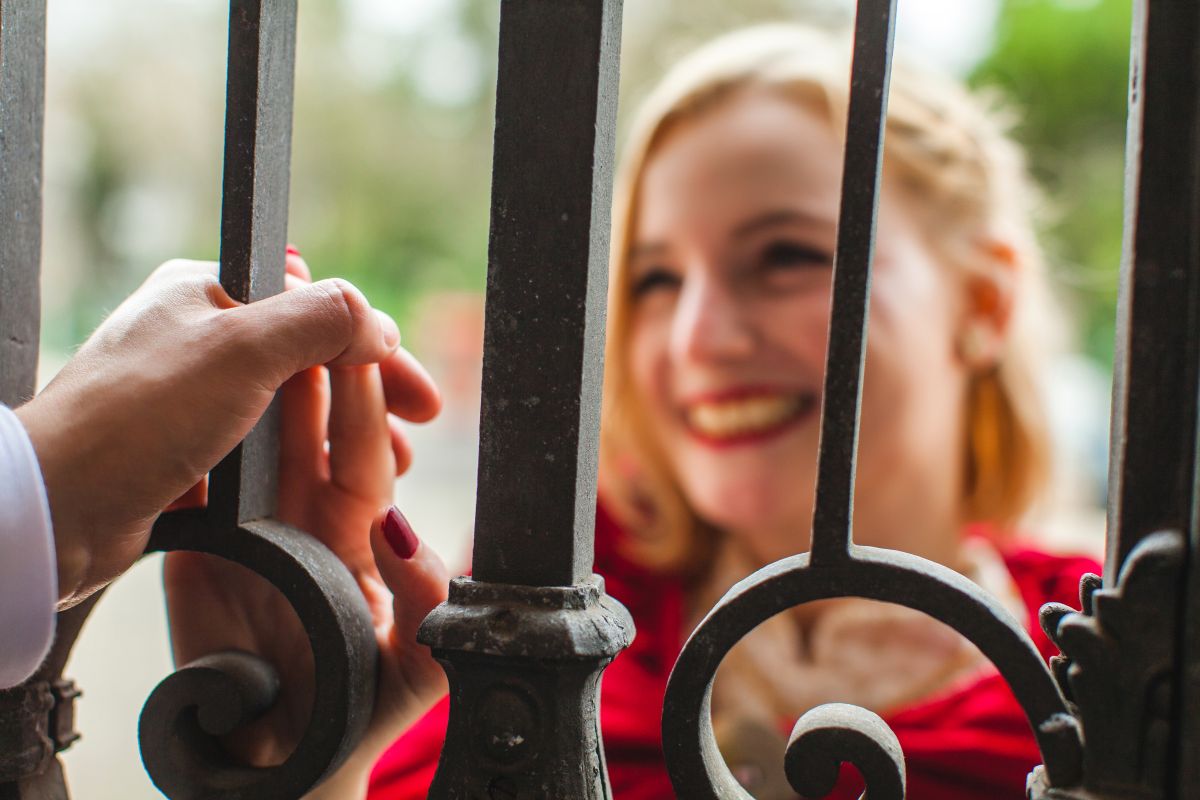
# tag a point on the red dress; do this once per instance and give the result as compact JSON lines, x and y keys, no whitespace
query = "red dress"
{"x":969,"y":744}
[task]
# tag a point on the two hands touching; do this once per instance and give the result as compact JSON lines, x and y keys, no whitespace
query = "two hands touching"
{"x":168,"y":385}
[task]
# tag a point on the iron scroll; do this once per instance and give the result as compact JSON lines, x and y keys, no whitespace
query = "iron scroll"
{"x":693,"y":761}
{"x":190,"y":709}
{"x":835,"y":566}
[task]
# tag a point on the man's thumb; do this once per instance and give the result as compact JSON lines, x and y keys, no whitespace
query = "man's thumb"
{"x":327,"y":322}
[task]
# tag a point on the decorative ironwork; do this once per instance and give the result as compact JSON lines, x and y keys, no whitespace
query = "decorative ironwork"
{"x":216,"y":694}
{"x":836,"y":567}
{"x":1117,"y":670}
{"x":693,"y":760}
{"x":524,"y":641}
{"x":219,"y":692}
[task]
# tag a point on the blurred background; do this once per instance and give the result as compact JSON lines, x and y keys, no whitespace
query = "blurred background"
{"x":390,"y":183}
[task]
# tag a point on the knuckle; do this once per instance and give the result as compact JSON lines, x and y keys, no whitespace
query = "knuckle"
{"x":347,"y":303}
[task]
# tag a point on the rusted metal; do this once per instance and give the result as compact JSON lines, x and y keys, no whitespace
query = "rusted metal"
{"x":208,"y":698}
{"x":847,"y":731}
{"x":214,"y":695}
{"x":1117,"y":670}
{"x":827,"y":736}
{"x":543,"y":359}
{"x":254,"y":200}
{"x":22,"y":104}
{"x":696,"y":769}
{"x":870,"y":74}
{"x":525,"y":641}
{"x":36,"y":718}
{"x":524,"y":664}
{"x":1154,"y":478}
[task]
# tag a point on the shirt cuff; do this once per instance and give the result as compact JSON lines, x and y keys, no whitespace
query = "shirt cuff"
{"x":28,"y":566}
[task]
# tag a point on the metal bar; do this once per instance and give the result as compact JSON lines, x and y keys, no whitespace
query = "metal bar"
{"x":1153,"y":460}
{"x":258,"y":147}
{"x":22,"y":105}
{"x":874,"y":33}
{"x":547,"y":278}
{"x":1153,"y":474}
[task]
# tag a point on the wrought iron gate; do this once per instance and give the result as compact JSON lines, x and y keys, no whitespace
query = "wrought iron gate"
{"x":1116,"y":716}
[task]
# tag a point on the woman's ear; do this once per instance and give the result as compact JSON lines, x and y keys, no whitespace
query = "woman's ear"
{"x":987,"y":310}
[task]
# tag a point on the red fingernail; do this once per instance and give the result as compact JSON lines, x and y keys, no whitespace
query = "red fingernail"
{"x":399,"y":534}
{"x":292,"y":251}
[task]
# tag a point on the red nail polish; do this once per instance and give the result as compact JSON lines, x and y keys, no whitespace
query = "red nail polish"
{"x":399,"y":534}
{"x":292,"y":251}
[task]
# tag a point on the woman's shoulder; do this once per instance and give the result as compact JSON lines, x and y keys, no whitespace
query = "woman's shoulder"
{"x":1045,"y":576}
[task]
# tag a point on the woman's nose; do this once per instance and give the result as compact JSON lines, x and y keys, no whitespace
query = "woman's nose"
{"x":712,"y":324}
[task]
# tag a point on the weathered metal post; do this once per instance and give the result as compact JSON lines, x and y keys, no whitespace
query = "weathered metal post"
{"x":209,"y":697}
{"x":525,"y":640}
{"x":36,"y":718}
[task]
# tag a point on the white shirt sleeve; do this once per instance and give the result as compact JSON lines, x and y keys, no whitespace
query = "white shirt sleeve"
{"x":28,"y":568}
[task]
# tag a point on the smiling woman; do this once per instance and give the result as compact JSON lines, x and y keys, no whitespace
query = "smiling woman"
{"x":726,"y":224}
{"x":720,"y":308}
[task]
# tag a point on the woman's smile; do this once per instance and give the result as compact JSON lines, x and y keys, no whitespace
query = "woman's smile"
{"x":746,"y":415}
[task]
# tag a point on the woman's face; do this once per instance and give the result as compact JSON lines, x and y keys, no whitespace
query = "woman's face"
{"x":730,"y":272}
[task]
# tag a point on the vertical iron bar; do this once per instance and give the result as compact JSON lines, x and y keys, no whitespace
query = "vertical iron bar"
{"x":29,"y":737}
{"x":1153,"y":471}
{"x":870,"y":71}
{"x":524,"y":641}
{"x":258,"y":146}
{"x":22,"y":103}
{"x":547,"y":277}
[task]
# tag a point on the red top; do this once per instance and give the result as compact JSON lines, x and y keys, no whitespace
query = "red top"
{"x":971,"y":744}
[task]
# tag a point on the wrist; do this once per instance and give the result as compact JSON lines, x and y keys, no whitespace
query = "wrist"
{"x":71,"y":552}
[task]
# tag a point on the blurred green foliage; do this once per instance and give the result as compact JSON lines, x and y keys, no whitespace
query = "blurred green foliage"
{"x":390,"y":180}
{"x":1065,"y":65}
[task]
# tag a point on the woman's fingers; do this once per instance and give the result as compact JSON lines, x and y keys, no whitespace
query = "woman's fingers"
{"x":361,"y":461}
{"x":418,"y":581}
{"x":411,"y":393}
{"x":401,"y":449}
{"x":304,"y":409}
{"x":195,"y":497}
{"x":296,"y":265}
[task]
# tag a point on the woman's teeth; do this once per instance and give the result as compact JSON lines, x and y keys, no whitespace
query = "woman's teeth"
{"x":730,"y":418}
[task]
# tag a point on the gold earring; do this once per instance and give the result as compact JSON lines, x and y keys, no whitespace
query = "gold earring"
{"x":976,"y":345}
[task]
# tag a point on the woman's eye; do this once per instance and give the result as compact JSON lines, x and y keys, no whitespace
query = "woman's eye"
{"x":653,"y":280}
{"x":794,"y":254}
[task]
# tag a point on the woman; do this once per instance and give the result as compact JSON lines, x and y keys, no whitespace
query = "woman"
{"x":719,"y":311}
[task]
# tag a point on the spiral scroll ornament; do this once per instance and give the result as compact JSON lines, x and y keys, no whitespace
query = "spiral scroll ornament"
{"x":830,"y":735}
{"x":206,"y":699}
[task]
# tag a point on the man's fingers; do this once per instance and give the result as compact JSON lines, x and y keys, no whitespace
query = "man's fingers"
{"x":411,"y":393}
{"x":327,"y":322}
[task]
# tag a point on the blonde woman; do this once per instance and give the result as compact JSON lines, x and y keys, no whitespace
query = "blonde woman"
{"x":726,"y":215}
{"x":719,"y":310}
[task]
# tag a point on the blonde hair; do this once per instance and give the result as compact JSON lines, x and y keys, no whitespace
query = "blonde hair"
{"x":944,"y":148}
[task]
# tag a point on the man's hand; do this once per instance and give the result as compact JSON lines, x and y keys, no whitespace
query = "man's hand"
{"x":170,"y":383}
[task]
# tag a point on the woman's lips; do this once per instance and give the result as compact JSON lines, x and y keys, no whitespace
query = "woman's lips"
{"x":735,"y":418}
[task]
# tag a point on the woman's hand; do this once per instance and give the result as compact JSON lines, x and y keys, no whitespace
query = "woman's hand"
{"x":168,"y":384}
{"x":339,"y":456}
